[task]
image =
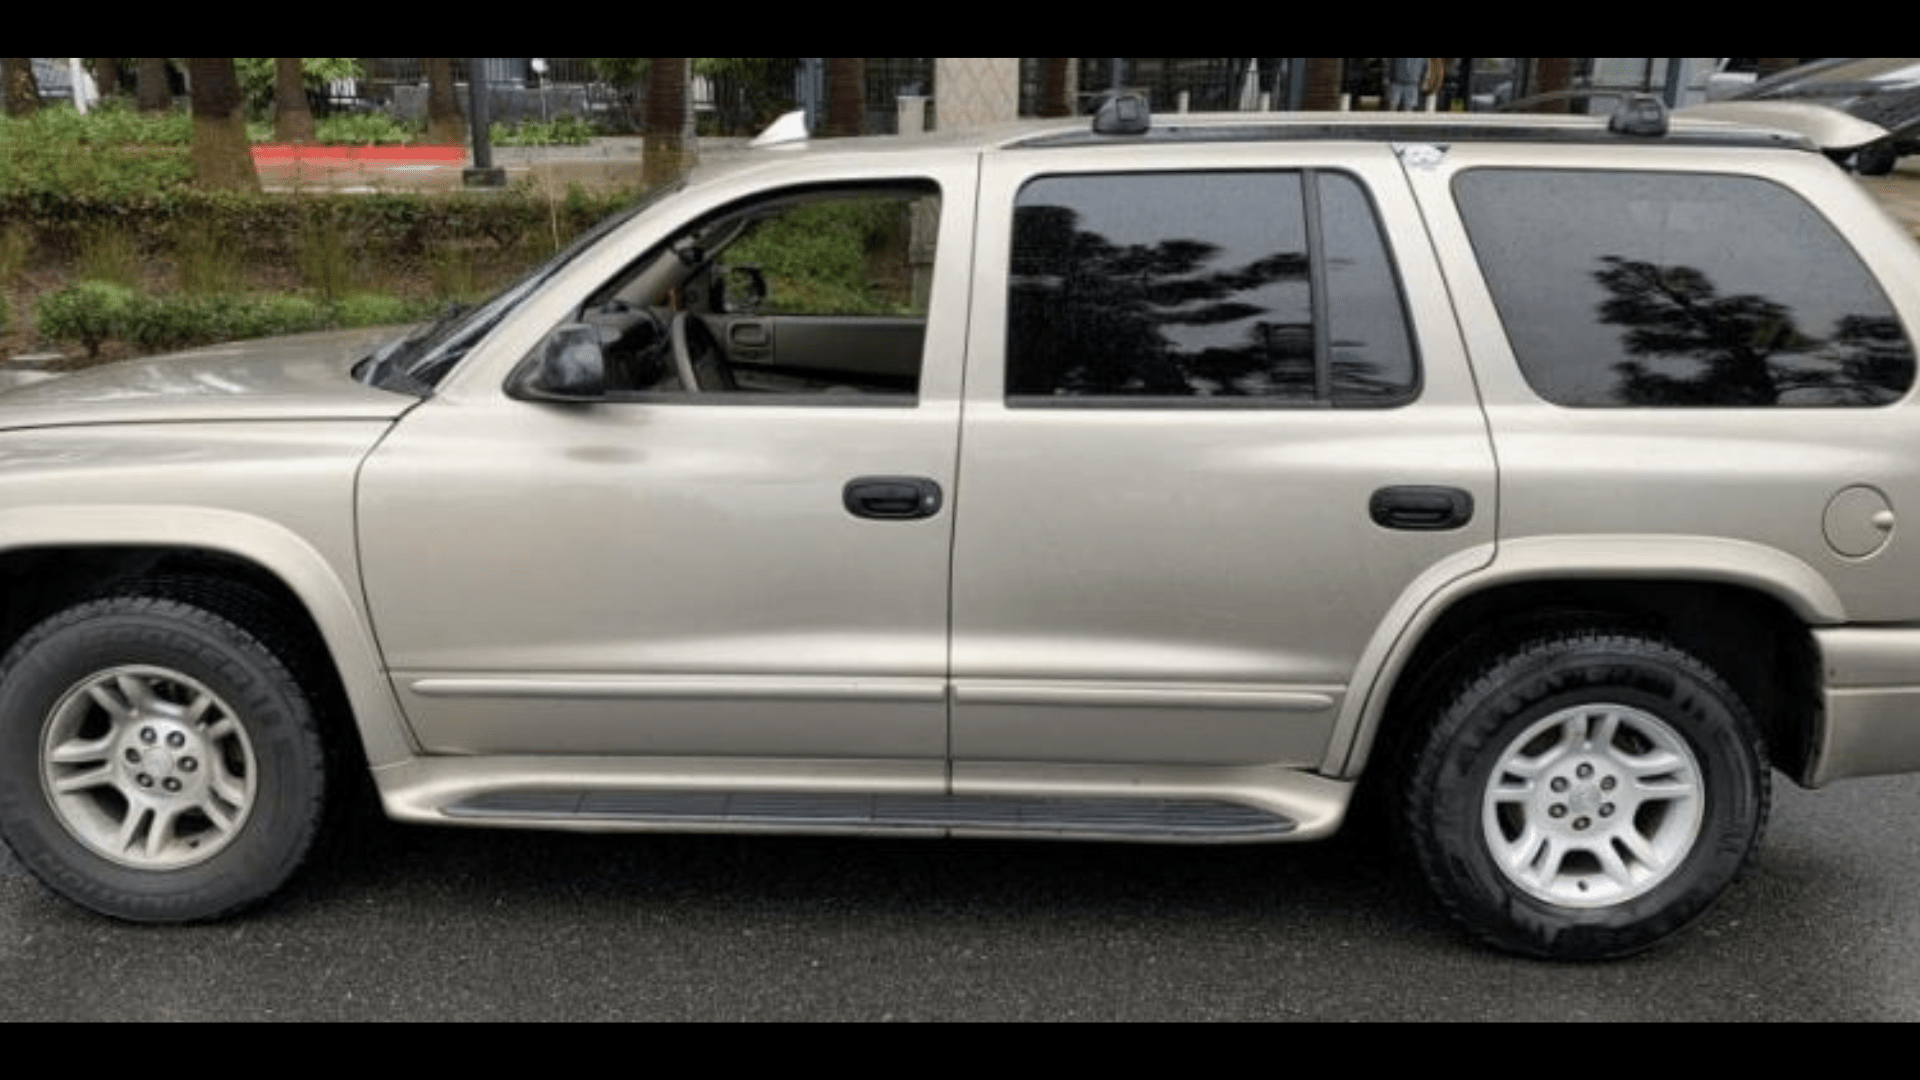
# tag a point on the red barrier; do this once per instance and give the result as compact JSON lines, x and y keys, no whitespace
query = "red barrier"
{"x":349,"y":156}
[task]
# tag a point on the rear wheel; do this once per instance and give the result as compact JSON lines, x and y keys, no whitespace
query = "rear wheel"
{"x":1588,"y":797}
{"x":157,"y":762}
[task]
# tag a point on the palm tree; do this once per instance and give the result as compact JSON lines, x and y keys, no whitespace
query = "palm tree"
{"x":445,"y":125}
{"x":1325,"y":74}
{"x":292,"y":117}
{"x":22,"y":90}
{"x":666,"y":146}
{"x":106,"y":72}
{"x":1056,"y":97}
{"x":846,"y":96}
{"x":222,"y":156}
{"x":154,"y":93}
{"x":1554,"y":76}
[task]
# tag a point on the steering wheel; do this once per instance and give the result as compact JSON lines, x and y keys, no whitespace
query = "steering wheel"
{"x":687,"y":355}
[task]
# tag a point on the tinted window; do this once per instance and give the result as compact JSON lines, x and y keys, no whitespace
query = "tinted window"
{"x":1371,"y":347}
{"x":1203,"y":288}
{"x":1681,"y":291}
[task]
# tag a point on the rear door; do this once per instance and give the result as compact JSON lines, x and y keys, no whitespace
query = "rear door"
{"x":1218,"y":423}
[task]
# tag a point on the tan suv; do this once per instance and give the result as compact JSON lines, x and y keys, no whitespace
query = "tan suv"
{"x":1153,"y":483}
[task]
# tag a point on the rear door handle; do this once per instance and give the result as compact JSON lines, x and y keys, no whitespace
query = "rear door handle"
{"x":1423,"y":509}
{"x":894,"y":498}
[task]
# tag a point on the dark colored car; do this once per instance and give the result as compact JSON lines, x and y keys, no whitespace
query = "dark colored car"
{"x":1883,"y":90}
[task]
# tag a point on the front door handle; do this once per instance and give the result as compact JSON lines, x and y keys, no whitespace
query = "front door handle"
{"x":892,"y":498}
{"x":1422,"y":509}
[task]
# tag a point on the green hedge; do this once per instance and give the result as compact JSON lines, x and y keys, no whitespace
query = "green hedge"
{"x":272,"y":224}
{"x":94,"y":313}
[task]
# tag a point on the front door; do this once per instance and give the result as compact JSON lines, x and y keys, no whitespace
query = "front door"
{"x":716,"y":561}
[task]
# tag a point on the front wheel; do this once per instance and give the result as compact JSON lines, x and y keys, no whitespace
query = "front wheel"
{"x":1588,"y":797}
{"x":158,"y":763}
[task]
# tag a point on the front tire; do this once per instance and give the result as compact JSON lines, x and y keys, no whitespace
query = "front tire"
{"x":158,"y":763}
{"x":1588,"y":797}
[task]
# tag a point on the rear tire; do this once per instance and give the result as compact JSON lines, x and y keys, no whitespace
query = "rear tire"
{"x":158,"y":764}
{"x":1588,"y":797}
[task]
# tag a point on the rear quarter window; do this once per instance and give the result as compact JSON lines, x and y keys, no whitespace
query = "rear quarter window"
{"x":1681,"y":290}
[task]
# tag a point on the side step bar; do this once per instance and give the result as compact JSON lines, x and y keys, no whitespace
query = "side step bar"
{"x":1147,"y":821}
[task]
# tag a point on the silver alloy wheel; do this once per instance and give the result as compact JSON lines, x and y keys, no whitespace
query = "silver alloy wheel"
{"x":148,"y":768}
{"x":1594,"y":807}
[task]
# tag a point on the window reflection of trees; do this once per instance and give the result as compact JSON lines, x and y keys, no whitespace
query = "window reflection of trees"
{"x":1744,"y":350}
{"x":1093,"y":318}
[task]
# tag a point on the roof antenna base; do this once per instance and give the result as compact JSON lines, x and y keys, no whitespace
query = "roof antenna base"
{"x":1642,"y":115}
{"x":1123,"y":114}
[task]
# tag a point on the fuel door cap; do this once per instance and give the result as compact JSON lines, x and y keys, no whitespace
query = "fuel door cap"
{"x":1861,"y":522}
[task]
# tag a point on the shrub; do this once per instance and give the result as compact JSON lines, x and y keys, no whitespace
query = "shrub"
{"x":565,"y":131}
{"x":365,"y":129}
{"x":91,"y":313}
{"x":367,"y":309}
{"x":257,"y":74}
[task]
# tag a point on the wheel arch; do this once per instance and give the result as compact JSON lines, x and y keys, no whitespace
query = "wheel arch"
{"x":1748,"y":612}
{"x":44,"y":571}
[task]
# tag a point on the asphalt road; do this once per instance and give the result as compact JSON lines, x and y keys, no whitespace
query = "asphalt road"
{"x":405,"y":924}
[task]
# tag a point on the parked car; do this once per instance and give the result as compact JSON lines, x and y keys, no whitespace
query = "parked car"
{"x":1545,"y":480}
{"x":1882,"y":90}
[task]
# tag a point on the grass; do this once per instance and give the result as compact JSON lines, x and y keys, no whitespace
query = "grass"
{"x":16,"y":247}
{"x":205,"y":262}
{"x":110,"y":255}
{"x":329,"y":262}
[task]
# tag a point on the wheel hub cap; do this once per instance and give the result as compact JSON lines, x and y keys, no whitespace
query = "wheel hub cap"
{"x":148,"y":768}
{"x":1594,"y":807}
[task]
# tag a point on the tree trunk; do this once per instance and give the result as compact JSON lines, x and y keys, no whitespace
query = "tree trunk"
{"x":154,"y":92}
{"x":846,"y":97}
{"x":222,"y":157}
{"x":1554,"y":75}
{"x":445,"y":124}
{"x":23,"y":90}
{"x":106,"y":72}
{"x":1056,"y":97}
{"x":292,"y":116}
{"x":1324,"y":78}
{"x":666,"y":145}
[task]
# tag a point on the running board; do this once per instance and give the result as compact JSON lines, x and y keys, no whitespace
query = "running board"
{"x":1146,"y":820}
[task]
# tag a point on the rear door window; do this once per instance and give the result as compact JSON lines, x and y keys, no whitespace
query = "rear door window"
{"x":1190,"y":290}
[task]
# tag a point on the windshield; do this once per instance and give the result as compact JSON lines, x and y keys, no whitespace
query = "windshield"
{"x":1844,"y":77}
{"x":416,"y":363}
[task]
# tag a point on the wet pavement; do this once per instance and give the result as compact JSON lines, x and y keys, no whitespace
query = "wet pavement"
{"x":392,"y":923}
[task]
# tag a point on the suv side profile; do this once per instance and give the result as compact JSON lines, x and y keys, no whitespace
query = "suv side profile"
{"x":1160,"y":483}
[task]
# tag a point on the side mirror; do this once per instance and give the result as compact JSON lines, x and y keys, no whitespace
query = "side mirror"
{"x":743,"y":290}
{"x":568,"y":368}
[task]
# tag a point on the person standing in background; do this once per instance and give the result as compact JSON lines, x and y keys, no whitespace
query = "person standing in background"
{"x":1406,"y":78}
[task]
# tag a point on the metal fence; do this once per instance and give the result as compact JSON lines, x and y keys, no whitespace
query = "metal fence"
{"x":740,"y":100}
{"x":1201,"y":84}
